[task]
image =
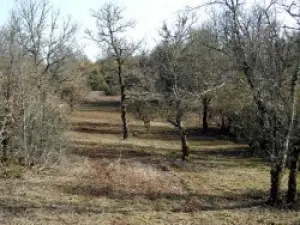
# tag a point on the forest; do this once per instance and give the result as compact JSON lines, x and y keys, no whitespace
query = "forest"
{"x":202,"y":128}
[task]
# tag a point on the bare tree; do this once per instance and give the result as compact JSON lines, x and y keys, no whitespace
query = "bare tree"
{"x":261,"y":49}
{"x":184,"y":73}
{"x":44,"y":38}
{"x":10,"y":56}
{"x":144,"y":98}
{"x":207,"y":68}
{"x":110,"y":35}
{"x":35,"y":70}
{"x":171,"y":77}
{"x":293,"y":9}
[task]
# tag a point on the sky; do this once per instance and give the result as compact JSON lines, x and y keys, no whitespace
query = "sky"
{"x":149,"y":15}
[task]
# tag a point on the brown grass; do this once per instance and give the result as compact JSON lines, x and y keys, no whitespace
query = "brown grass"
{"x":106,"y":180}
{"x":97,"y":96}
{"x":118,"y":180}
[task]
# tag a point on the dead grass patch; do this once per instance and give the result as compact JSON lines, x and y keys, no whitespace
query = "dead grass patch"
{"x":110,"y":181}
{"x":131,"y":180}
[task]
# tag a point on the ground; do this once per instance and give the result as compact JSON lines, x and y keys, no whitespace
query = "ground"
{"x":105,"y":180}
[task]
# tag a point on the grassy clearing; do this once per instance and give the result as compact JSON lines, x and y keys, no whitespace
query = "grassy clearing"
{"x":105,"y":180}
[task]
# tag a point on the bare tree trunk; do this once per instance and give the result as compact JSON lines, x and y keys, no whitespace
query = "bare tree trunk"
{"x":276,"y":177}
{"x":147,"y":124}
{"x":205,"y":101}
{"x":276,"y":148}
{"x":26,"y":115}
{"x":204,"y":118}
{"x":111,"y":26}
{"x":4,"y":147}
{"x":24,"y":111}
{"x":292,"y":182}
{"x":293,"y":110}
{"x":124,"y":113}
{"x":7,"y":108}
{"x":123,"y":105}
{"x":6,"y":123}
{"x":223,"y":125}
{"x":277,"y":165}
{"x":185,"y":149}
{"x":5,"y":134}
{"x":42,"y":135}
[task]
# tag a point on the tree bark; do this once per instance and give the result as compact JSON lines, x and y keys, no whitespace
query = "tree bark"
{"x":185,"y":149}
{"x":223,"y":126}
{"x":7,"y":111}
{"x":4,"y":147}
{"x":124,"y":113}
{"x":276,"y":177}
{"x":147,"y":124}
{"x":205,"y":101}
{"x":6,"y":127}
{"x":5,"y":134}
{"x":292,"y":182}
{"x":204,"y":118}
{"x":123,"y":104}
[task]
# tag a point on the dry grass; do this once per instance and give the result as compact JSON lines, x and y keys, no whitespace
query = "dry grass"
{"x":119,"y":180}
{"x":98,"y":96}
{"x":140,"y":181}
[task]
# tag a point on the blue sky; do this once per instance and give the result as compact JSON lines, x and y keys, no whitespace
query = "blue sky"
{"x":148,"y":14}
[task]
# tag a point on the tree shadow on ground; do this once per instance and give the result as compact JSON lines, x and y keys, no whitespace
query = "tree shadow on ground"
{"x":20,"y":208}
{"x":193,"y":133}
{"x":204,"y":159}
{"x":186,"y":203}
{"x":101,"y":104}
{"x":227,"y":159}
{"x":190,"y":203}
{"x":100,"y":128}
{"x":90,"y":124}
{"x":112,"y":152}
{"x":230,"y":153}
{"x":106,"y":130}
{"x":156,"y":132}
{"x":144,"y":155}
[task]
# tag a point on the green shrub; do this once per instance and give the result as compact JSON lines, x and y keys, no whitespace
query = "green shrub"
{"x":97,"y":82}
